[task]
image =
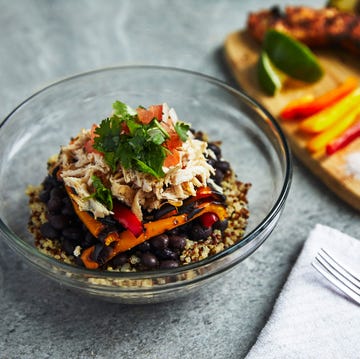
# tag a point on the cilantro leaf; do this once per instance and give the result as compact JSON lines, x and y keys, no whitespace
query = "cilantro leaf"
{"x":101,"y":194}
{"x":182,"y":129}
{"x":156,"y":133}
{"x":108,"y":139}
{"x":122,"y":110}
{"x":124,"y":140}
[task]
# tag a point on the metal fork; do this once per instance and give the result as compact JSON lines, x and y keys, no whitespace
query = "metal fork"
{"x":337,"y":274}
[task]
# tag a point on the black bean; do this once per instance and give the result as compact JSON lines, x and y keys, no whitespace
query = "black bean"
{"x":120,"y":260}
{"x":72,"y":233}
{"x":211,"y":162}
{"x":149,"y":260}
{"x":58,"y":221}
{"x":67,"y":208}
{"x":165,"y":209}
{"x":177,"y":242}
{"x":44,"y":195}
{"x":48,"y":231}
{"x":166,"y":253}
{"x":49,"y":183}
{"x":175,"y":231}
{"x":221,"y":225}
{"x":219,"y":176}
{"x":57,"y":192}
{"x":88,"y":240}
{"x":68,"y":246}
{"x":160,"y":242}
{"x":54,"y":204}
{"x":199,"y":233}
{"x":216,"y":149}
{"x":143,"y":247}
{"x":223,"y":166}
{"x":168,"y":264}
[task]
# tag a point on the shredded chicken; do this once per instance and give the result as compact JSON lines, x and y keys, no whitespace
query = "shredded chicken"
{"x":137,"y":189}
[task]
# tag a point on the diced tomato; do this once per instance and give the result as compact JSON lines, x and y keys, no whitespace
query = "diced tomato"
{"x":208,"y":219}
{"x":157,"y":111}
{"x":172,"y":144}
{"x":172,"y":159}
{"x":127,"y":219}
{"x":147,"y":115}
{"x":89,"y":145}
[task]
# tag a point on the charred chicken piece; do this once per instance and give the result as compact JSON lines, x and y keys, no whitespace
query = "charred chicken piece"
{"x":314,"y":27}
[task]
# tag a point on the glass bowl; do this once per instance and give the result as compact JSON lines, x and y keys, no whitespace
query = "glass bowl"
{"x":251,"y":139}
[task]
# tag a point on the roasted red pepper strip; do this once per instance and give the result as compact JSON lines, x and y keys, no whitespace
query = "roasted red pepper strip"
{"x":127,"y":218}
{"x":303,"y":109}
{"x":343,"y":140}
{"x":208,"y":219}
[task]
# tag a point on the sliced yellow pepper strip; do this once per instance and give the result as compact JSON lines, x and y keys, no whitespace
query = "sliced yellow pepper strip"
{"x":319,"y":142}
{"x":326,"y":118}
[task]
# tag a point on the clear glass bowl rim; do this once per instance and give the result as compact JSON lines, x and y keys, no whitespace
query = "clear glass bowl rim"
{"x":21,"y":246}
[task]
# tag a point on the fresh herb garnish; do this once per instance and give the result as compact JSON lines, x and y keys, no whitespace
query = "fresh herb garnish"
{"x":182,"y":129}
{"x":123,"y":139}
{"x":101,"y":194}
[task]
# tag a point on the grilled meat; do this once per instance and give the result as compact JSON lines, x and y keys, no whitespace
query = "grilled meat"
{"x":314,"y":27}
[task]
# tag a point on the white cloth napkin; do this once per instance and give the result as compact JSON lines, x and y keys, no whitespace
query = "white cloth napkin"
{"x":311,"y":318}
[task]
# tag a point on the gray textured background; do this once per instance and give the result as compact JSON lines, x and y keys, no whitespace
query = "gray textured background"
{"x":44,"y":41}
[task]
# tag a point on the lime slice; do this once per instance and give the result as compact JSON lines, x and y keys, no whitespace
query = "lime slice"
{"x":345,"y":5}
{"x":270,"y":78}
{"x":292,"y":57}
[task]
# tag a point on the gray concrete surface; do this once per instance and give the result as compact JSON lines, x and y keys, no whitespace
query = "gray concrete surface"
{"x":43,"y":41}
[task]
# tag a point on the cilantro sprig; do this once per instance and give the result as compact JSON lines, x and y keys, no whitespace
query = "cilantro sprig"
{"x":122,"y":138}
{"x":182,"y":129}
{"x":101,"y":194}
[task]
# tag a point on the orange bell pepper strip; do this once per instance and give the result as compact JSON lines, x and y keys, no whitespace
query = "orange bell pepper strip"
{"x":308,"y":105}
{"x":123,"y":241}
{"x":326,"y":118}
{"x":319,"y":142}
{"x":95,"y":227}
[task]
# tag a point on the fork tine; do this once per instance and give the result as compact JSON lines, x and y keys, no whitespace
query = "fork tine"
{"x":340,"y":268}
{"x":332,"y":276}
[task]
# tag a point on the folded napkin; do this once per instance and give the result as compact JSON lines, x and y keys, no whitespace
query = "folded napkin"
{"x":311,"y":318}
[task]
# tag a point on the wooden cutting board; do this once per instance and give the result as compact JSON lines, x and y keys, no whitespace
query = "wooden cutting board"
{"x":242,"y":52}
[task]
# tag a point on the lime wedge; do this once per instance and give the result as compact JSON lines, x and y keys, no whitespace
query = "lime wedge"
{"x":269,"y":77}
{"x":292,"y":57}
{"x":352,"y":6}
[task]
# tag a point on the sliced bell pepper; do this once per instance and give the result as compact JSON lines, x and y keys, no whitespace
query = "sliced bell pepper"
{"x":344,"y":139}
{"x":319,"y":142}
{"x":201,"y":194}
{"x":326,"y":118}
{"x":305,"y":106}
{"x":95,"y":227}
{"x":208,"y":219}
{"x":290,"y":111}
{"x":127,"y":218}
{"x":123,"y":241}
